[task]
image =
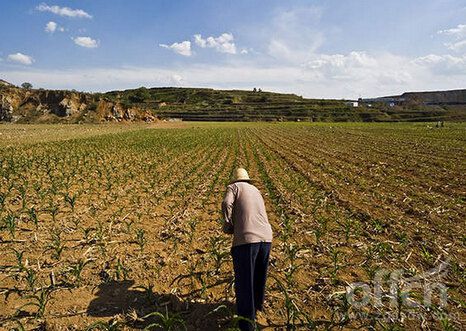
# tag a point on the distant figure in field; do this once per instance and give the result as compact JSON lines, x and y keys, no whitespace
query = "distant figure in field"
{"x":246,"y":219}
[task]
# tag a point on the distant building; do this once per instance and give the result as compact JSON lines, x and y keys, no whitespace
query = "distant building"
{"x":390,"y":101}
{"x":352,"y":103}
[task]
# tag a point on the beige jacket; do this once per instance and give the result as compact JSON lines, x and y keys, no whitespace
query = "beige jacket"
{"x":244,"y":214}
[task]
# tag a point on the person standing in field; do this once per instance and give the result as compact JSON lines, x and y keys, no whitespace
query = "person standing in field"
{"x":246,"y":219}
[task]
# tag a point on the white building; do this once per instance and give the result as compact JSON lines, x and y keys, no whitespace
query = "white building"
{"x":352,"y":103}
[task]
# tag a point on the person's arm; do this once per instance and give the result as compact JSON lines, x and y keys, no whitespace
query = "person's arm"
{"x":227,"y":210}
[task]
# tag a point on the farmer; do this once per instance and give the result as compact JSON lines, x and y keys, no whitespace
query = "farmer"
{"x":245,"y":217}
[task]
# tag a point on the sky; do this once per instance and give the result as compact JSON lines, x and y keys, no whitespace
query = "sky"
{"x":320,"y":49}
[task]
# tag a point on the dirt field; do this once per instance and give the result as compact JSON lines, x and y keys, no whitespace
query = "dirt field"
{"x":106,"y":224}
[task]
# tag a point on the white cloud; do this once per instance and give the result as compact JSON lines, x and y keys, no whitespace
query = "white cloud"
{"x":199,"y":41}
{"x":459,"y":31}
{"x":182,"y":48}
{"x":293,"y":35}
{"x":87,"y":42}
{"x":445,"y":65}
{"x":223,"y":43}
{"x":51,"y":27}
{"x":457,"y":46}
{"x":342,"y":66}
{"x":458,"y":35}
{"x":21,"y":58}
{"x":63,"y":11}
{"x":324,"y":76}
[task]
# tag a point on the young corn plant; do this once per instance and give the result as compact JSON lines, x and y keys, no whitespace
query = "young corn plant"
{"x":218,"y":254}
{"x":31,"y":278}
{"x":335,"y":265}
{"x":71,"y":200}
{"x":56,"y":245}
{"x":76,"y":270}
{"x":53,"y":210}
{"x":140,"y":239}
{"x":23,"y":192}
{"x":11,"y":224}
{"x":19,"y":260}
{"x":33,"y":216}
{"x":192,"y":224}
{"x":294,"y":316}
{"x":39,"y":300}
{"x":121,"y":272}
{"x":347,"y":228}
{"x":167,"y":321}
{"x":234,"y":319}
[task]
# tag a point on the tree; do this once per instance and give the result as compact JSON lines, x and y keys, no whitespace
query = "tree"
{"x":139,"y":95}
{"x":26,"y":85}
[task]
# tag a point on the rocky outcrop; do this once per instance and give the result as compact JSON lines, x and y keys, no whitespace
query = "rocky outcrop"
{"x":18,"y":104}
{"x":6,"y":110}
{"x":68,"y":107}
{"x":5,"y":83}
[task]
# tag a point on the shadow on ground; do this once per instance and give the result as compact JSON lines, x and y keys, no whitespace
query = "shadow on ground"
{"x":122,"y":297}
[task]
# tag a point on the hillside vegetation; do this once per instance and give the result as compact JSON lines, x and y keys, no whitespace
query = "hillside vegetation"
{"x":201,"y":104}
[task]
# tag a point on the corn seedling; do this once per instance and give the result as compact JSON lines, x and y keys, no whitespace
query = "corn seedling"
{"x":217,"y":253}
{"x":192,"y":223}
{"x":426,"y":254}
{"x":293,"y":314}
{"x":39,"y":301}
{"x":10,"y":224}
{"x":23,"y":192}
{"x":56,"y":245}
{"x":76,"y":270}
{"x":71,"y":200}
{"x":140,"y":239}
{"x":128,"y":226}
{"x":19,"y":259}
{"x":335,"y":265}
{"x":121,"y":272}
{"x":167,"y":321}
{"x":33,"y":216}
{"x":53,"y":210}
{"x":234,"y":319}
{"x":30,"y":278}
{"x":347,"y":227}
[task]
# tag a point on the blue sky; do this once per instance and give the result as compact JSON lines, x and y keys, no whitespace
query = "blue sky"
{"x":341,"y":49}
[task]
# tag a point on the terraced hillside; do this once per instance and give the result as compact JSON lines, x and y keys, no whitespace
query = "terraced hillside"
{"x":195,"y":104}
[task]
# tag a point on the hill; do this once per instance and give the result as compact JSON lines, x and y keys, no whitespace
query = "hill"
{"x":202,"y":104}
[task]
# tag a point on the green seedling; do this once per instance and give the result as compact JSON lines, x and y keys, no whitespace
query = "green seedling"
{"x":167,"y":321}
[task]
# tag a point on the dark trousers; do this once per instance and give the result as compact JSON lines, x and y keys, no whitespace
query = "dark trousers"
{"x":250,"y":263}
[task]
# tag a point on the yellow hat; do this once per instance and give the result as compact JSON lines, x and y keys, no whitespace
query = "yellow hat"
{"x":240,"y":174}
